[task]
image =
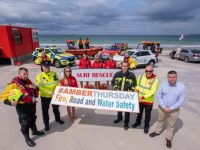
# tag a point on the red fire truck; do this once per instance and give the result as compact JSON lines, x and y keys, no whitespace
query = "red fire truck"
{"x":17,"y":43}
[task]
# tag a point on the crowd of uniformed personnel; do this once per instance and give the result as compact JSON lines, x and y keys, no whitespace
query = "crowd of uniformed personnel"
{"x":170,"y":95}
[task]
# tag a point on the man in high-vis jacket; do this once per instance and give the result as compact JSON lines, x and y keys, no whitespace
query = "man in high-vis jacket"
{"x":47,"y":81}
{"x":146,"y":87}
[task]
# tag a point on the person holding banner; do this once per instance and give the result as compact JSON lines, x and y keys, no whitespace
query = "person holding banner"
{"x":124,"y":80}
{"x":84,"y":63}
{"x":69,"y":80}
{"x":97,"y":64}
{"x":146,"y":87}
{"x":47,"y":81}
{"x":110,"y":63}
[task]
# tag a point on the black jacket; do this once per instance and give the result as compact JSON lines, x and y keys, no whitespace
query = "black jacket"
{"x":124,"y":82}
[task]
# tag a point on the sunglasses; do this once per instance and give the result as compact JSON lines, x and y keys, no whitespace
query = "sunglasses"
{"x":148,"y":71}
{"x":68,"y":71}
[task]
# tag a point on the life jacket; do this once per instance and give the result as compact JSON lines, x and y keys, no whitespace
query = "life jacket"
{"x":85,"y":63}
{"x":28,"y":93}
{"x":47,"y":83}
{"x":5,"y":93}
{"x":80,"y":42}
{"x":87,"y":41}
{"x":147,"y":88}
{"x":110,"y":64}
{"x":71,"y":82}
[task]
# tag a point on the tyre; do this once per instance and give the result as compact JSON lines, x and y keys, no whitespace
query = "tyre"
{"x":186,"y":59}
{"x":151,"y":63}
{"x":57,"y":64}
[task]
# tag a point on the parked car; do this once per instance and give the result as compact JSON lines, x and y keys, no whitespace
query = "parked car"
{"x":117,"y":48}
{"x":187,"y":55}
{"x":58,"y":57}
{"x":142,"y":57}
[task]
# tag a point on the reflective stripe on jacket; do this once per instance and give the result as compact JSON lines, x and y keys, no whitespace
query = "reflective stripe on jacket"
{"x":147,"y":88}
{"x":47,"y":83}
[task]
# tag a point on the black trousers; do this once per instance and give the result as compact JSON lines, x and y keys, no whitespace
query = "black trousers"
{"x":80,"y":46}
{"x":127,"y":116}
{"x":27,"y":116}
{"x":87,"y":46}
{"x":45,"y":110}
{"x":148,"y":109}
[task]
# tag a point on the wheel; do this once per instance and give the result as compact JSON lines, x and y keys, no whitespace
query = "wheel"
{"x":151,"y":63}
{"x":186,"y":59}
{"x":57,"y":64}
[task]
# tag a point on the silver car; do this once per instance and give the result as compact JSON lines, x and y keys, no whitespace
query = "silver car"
{"x":192,"y":55}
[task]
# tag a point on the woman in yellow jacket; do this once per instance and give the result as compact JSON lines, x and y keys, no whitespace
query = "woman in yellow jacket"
{"x":130,"y":60}
{"x":47,"y":81}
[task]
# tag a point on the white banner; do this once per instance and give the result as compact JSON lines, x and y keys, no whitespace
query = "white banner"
{"x":96,"y":99}
{"x":93,"y":74}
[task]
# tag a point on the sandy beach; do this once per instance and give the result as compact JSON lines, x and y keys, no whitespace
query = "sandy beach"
{"x":94,"y":129}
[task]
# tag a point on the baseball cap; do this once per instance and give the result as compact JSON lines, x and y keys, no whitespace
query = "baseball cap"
{"x":46,"y":63}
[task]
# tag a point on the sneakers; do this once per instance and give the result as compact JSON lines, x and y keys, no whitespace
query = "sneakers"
{"x":135,"y":125}
{"x":117,"y":120}
{"x":60,"y":121}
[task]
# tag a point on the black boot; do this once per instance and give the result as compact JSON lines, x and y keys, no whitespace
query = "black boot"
{"x":117,"y":120}
{"x":60,"y":121}
{"x":136,"y":124}
{"x":29,"y":142}
{"x":36,"y":132}
{"x":47,"y":127}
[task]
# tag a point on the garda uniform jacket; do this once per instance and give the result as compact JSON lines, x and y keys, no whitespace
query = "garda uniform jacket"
{"x":124,"y":82}
{"x":47,"y":83}
{"x":147,"y":88}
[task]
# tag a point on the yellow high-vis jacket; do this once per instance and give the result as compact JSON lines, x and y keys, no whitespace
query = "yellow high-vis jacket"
{"x":147,"y":88}
{"x":47,"y":83}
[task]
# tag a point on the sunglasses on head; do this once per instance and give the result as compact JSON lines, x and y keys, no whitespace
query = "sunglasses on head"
{"x":149,"y":71}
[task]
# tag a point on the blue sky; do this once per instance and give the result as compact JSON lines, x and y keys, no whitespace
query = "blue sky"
{"x":132,"y":17}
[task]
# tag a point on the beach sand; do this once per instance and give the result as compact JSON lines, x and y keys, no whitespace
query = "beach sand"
{"x":94,"y":129}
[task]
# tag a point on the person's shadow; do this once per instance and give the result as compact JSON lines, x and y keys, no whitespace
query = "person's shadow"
{"x":90,"y":117}
{"x":55,"y":127}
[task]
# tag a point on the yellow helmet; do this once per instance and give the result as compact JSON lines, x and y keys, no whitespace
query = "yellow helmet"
{"x":14,"y":95}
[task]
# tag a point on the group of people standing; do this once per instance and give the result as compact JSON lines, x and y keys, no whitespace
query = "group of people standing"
{"x":86,"y":42}
{"x":170,"y":96}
